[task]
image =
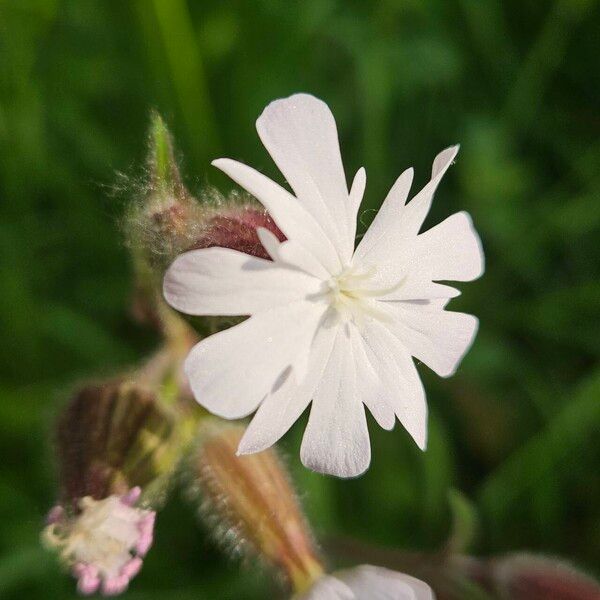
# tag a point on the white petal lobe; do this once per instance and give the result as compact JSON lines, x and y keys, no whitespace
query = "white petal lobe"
{"x":443,"y":160}
{"x":450,"y":251}
{"x":439,"y":338}
{"x":282,"y":407}
{"x":369,"y":385}
{"x":221,"y":281}
{"x":417,"y":209}
{"x":269,"y":241}
{"x":376,"y":583}
{"x":291,"y":254}
{"x":295,"y":255}
{"x":336,"y":440}
{"x":300,"y":134}
{"x":292,"y":218}
{"x":231,"y":372}
{"x":357,"y":192}
{"x":397,"y":224}
{"x":402,"y":388}
{"x":388,"y":216}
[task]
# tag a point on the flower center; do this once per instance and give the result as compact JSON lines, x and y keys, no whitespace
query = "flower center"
{"x":104,"y":533}
{"x":353,"y":296}
{"x":106,"y":539}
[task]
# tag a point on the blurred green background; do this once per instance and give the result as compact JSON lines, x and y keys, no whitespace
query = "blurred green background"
{"x":516,"y":83}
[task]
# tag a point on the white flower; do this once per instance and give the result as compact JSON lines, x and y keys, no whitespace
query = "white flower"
{"x":329,"y":324}
{"x":368,"y":583}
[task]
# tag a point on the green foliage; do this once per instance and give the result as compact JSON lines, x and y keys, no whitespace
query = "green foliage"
{"x":464,"y":523}
{"x":516,"y":83}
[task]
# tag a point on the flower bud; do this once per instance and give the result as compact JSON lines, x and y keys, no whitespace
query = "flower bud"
{"x":112,"y":437}
{"x":235,"y":226}
{"x":161,"y":222}
{"x":528,"y":577}
{"x":168,"y":221}
{"x":252,"y":505}
{"x":117,"y":447}
{"x":165,"y":220}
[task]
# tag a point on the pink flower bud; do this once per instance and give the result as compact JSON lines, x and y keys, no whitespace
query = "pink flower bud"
{"x":235,"y":227}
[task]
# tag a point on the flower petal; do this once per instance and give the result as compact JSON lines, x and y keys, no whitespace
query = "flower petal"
{"x":376,"y":583}
{"x":439,"y":338}
{"x":357,"y":192}
{"x":290,"y":253}
{"x":282,"y":407}
{"x":370,"y":388}
{"x":301,"y":136}
{"x":397,"y":224}
{"x":402,"y":389}
{"x":269,"y":241}
{"x":328,"y":587}
{"x":450,"y":251}
{"x":291,"y":217}
{"x":388,"y":215}
{"x":336,"y":440}
{"x":221,"y":281}
{"x":231,"y":372}
{"x":416,"y":210}
{"x":296,"y":255}
{"x":413,"y":287}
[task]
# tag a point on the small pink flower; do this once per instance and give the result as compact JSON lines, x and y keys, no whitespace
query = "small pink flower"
{"x":104,"y":542}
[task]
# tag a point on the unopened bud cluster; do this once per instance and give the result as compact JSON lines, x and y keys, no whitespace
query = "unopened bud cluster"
{"x":166,"y":220}
{"x":162,"y":222}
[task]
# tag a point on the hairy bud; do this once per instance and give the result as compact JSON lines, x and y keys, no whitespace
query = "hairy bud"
{"x":234,"y":226}
{"x":250,"y":501}
{"x":112,"y":437}
{"x":166,"y":219}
